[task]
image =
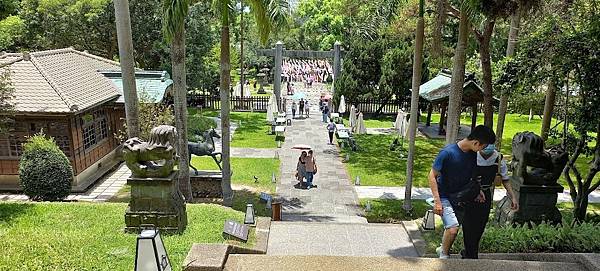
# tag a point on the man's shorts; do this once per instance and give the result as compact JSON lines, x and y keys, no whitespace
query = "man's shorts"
{"x":448,"y":216}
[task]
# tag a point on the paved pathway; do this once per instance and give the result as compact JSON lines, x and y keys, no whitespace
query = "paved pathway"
{"x":326,"y":220}
{"x":383,"y":192}
{"x":103,"y":190}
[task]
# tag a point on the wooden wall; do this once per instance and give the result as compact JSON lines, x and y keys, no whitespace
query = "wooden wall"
{"x":70,"y":126}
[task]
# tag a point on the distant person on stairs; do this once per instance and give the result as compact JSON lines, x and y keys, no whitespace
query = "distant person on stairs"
{"x":300,"y":108}
{"x":307,"y":109}
{"x":293,"y":109}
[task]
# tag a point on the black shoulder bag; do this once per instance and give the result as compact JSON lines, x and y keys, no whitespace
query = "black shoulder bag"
{"x":466,"y":194}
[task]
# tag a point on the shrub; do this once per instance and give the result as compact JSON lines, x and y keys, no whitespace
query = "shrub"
{"x":578,"y":238}
{"x":197,"y":124}
{"x":44,"y":170}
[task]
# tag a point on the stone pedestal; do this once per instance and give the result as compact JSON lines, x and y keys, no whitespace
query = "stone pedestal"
{"x":206,"y":184}
{"x":537,"y":203}
{"x":156,"y":201}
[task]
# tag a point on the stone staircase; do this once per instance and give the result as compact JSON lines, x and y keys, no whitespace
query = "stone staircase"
{"x":240,"y":262}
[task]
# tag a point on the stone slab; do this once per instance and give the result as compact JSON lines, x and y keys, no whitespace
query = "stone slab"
{"x":206,"y":257}
{"x":316,"y":263}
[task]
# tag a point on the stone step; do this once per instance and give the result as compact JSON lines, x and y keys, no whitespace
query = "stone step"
{"x":339,"y":239}
{"x":281,"y":263}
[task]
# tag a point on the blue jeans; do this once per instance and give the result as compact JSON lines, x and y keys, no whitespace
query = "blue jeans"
{"x":324,"y":117}
{"x":309,"y":178}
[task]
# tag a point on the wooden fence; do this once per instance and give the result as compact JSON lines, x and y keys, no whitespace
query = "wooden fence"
{"x":254,"y":103}
{"x":370,"y":105}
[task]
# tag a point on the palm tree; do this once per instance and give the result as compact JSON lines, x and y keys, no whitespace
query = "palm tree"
{"x":174,"y":13}
{"x":267,"y":13}
{"x":127,"y":66}
{"x":414,"y":104}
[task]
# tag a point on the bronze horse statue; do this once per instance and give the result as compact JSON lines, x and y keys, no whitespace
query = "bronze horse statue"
{"x":205,"y":148}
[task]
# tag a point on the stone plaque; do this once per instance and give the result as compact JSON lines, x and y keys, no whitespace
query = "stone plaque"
{"x":236,"y":230}
{"x":265,"y":197}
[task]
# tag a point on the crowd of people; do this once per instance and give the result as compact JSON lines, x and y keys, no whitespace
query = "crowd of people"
{"x":307,"y":71}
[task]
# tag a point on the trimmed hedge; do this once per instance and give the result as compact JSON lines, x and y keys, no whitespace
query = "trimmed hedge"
{"x":44,"y":170}
{"x":197,"y":124}
{"x":579,"y":238}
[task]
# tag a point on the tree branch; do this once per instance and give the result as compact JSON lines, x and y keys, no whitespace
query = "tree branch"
{"x":452,"y":11}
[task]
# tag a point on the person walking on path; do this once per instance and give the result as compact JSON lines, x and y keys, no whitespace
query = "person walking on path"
{"x":293,"y":109}
{"x":452,"y":184}
{"x":325,"y":112}
{"x":311,"y":169}
{"x":307,"y":109}
{"x":301,"y":168}
{"x":492,"y":170}
{"x":300,"y":107}
{"x":331,"y":130}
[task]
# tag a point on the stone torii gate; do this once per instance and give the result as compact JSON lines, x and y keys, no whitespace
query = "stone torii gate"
{"x":279,"y":52}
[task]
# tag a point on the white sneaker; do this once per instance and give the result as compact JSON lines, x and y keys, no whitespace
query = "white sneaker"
{"x":441,"y":255}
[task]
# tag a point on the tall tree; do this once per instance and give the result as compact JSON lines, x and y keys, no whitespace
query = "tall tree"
{"x":127,"y":66}
{"x":523,"y":7}
{"x":174,"y":13}
{"x":548,"y":108}
{"x":267,"y":14}
{"x":414,"y":105}
{"x":458,"y":78}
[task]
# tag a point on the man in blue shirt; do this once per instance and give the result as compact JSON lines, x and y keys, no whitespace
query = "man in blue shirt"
{"x":451,"y":171}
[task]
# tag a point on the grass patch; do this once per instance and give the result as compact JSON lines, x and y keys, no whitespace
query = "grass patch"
{"x":244,"y":170}
{"x":391,"y":211}
{"x":383,"y":121}
{"x":253,"y":130}
{"x":89,"y":236}
{"x":378,"y":166}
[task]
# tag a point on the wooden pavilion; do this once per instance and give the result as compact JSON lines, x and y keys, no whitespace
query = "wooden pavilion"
{"x":437,"y":93}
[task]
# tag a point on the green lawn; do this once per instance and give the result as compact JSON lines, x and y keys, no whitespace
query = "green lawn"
{"x":377,"y":165}
{"x":253,"y":132}
{"x":89,"y":236}
{"x":244,"y":169}
{"x":385,"y":121}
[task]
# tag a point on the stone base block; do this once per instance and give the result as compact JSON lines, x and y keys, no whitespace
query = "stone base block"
{"x":206,"y":184}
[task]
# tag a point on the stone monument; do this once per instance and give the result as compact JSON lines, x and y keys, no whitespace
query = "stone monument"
{"x":155,"y":197}
{"x":534,"y":180}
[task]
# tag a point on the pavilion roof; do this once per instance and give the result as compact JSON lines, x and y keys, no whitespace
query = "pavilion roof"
{"x":437,"y":90}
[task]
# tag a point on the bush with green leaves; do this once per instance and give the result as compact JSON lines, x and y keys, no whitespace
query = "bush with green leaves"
{"x":568,"y":237}
{"x":197,"y":124}
{"x":44,"y":170}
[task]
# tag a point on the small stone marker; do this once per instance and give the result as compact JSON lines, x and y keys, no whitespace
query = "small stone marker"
{"x":236,"y":230}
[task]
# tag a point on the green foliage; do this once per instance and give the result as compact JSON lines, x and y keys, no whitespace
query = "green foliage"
{"x":580,"y":238}
{"x":7,"y":107}
{"x":50,"y":236}
{"x":150,"y":115}
{"x":321,"y":23}
{"x":197,"y":125}
{"x":44,"y":170}
{"x":396,"y":72}
{"x":362,"y":69}
{"x":11,"y":31}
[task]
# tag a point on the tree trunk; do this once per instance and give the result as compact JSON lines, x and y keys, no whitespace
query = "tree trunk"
{"x":548,"y":109}
{"x":513,"y":36}
{"x":486,"y":67}
{"x":458,"y":79}
{"x":414,"y":107}
{"x":180,"y":104}
{"x":226,"y":135}
{"x":127,"y":66}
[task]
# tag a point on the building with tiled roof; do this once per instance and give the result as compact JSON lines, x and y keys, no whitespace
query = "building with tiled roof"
{"x":66,"y":94}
